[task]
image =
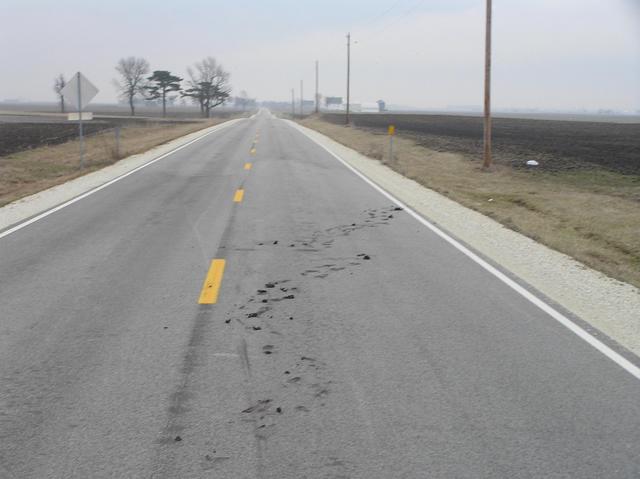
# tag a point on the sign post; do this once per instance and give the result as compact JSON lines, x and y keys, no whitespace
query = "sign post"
{"x":80,"y":121}
{"x":80,"y":92}
{"x":392,"y":132}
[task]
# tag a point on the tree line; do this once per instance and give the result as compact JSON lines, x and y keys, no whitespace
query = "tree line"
{"x":207,"y":85}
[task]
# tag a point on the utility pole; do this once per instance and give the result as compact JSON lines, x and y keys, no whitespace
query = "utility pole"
{"x":301,"y":97}
{"x":293,"y":103}
{"x":486,"y":163}
{"x":348,"y":71}
{"x":317,"y":94}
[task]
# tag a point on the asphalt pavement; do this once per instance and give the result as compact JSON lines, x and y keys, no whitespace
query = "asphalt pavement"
{"x":248,"y":307}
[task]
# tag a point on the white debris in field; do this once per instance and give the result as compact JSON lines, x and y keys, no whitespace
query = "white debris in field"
{"x":532,"y":163}
{"x":490,"y":200}
{"x":609,"y":305}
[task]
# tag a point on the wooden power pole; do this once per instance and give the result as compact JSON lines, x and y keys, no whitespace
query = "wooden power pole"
{"x":317,"y":94}
{"x":301,"y":97}
{"x":348,"y":72}
{"x":486,"y":163}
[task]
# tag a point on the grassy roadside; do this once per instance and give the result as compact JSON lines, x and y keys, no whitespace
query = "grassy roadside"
{"x":27,"y":172}
{"x":591,"y":215}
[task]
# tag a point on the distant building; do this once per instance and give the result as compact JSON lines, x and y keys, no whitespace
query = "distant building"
{"x":370,"y":107}
{"x":333,"y":103}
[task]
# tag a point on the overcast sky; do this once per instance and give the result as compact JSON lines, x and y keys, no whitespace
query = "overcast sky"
{"x":551,"y":54}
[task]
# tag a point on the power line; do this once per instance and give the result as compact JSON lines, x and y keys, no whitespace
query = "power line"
{"x":374,"y":18}
{"x":383,"y":27}
{"x":395,"y":20}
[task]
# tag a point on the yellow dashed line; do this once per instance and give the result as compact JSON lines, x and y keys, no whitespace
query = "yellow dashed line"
{"x":247,"y":166}
{"x":212,"y":282}
{"x":238,"y":196}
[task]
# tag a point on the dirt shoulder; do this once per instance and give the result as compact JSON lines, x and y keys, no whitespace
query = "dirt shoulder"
{"x":588,"y":214}
{"x":24,"y":173}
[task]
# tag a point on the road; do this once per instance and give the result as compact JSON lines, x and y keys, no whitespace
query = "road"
{"x":334,"y":336}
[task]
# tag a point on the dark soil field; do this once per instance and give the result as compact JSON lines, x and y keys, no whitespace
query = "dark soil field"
{"x":22,"y":136}
{"x":556,"y":145}
{"x":19,"y":136}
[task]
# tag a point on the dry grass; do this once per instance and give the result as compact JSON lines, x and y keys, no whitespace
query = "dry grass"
{"x":27,"y":172}
{"x":593,"y":216}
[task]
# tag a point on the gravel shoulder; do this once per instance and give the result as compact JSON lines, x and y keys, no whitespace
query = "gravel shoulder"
{"x":609,"y":305}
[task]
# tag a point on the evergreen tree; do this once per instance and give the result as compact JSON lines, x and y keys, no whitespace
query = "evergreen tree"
{"x":162,"y":83}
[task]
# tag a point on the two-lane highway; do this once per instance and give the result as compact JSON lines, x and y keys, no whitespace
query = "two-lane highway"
{"x":248,"y":307}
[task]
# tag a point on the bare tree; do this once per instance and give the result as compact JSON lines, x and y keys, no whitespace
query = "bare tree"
{"x":132,"y":81}
{"x":58,"y":84}
{"x":242,"y":100}
{"x":208,"y":85}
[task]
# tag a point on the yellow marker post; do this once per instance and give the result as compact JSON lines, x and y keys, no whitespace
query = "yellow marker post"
{"x":247,"y":166}
{"x":238,"y":196}
{"x":212,"y":282}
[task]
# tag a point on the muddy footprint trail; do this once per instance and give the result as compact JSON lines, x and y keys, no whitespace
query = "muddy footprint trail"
{"x":290,"y":380}
{"x":263,"y":372}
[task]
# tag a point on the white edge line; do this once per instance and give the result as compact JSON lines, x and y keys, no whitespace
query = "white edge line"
{"x":40,"y":216}
{"x":561,"y":318}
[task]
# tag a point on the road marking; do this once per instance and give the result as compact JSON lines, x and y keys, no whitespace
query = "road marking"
{"x":555,"y":314}
{"x":212,"y":282}
{"x":247,"y":166}
{"x":109,"y":183}
{"x":226,"y":355}
{"x":252,"y":151}
{"x":238,"y":196}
